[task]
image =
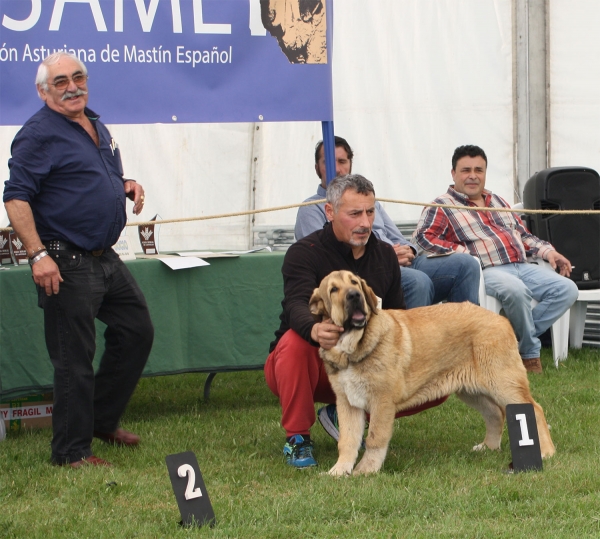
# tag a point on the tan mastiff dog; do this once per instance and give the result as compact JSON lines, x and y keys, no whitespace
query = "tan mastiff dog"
{"x":388,"y":361}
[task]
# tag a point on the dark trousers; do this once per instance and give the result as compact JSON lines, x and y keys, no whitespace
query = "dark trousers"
{"x":94,"y":287}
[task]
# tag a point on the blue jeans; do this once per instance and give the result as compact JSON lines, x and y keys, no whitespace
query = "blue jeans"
{"x":417,"y":288}
{"x":514,"y":285}
{"x":428,"y":281}
{"x":94,"y":287}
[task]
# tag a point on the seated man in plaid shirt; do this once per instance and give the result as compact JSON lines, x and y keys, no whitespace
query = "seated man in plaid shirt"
{"x":501,"y":242}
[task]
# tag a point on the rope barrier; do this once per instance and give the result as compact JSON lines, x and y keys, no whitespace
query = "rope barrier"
{"x":321,"y":201}
{"x":394,"y":201}
{"x":503,"y":210}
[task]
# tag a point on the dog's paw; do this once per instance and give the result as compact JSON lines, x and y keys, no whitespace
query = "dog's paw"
{"x":367,"y":466}
{"x":363,"y":471}
{"x":483,"y":446}
{"x":341,"y":469}
{"x":548,"y":451}
{"x":371,"y":462}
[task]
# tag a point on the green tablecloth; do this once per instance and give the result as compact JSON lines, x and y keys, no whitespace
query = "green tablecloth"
{"x":215,"y":318}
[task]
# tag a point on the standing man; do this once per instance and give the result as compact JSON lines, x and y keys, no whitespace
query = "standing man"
{"x":294,"y":371}
{"x":501,"y":242}
{"x":425,"y":281}
{"x":65,"y":198}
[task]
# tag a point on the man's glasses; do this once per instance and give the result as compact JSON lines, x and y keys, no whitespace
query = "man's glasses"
{"x":61,"y":83}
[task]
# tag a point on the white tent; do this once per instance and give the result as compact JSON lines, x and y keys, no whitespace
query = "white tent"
{"x":412,"y":80}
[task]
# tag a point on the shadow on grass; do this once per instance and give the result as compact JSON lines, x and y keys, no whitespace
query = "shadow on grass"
{"x":164,"y":396}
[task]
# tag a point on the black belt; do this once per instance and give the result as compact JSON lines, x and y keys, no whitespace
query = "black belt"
{"x":59,"y":245}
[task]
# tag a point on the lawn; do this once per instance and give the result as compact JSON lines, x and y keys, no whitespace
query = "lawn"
{"x":432,"y":484}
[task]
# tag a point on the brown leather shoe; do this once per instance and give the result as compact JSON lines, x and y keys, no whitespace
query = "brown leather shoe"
{"x":90,"y":461}
{"x":533,"y":365}
{"x":120,"y":437}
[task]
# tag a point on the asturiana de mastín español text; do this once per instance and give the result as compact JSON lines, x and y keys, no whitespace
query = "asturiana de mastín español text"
{"x":129,"y":54}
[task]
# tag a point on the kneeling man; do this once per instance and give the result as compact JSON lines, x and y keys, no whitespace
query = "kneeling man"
{"x":294,"y":371}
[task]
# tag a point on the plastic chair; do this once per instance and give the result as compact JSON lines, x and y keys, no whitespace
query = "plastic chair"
{"x":560,"y":328}
{"x":575,"y":322}
{"x":578,"y":313}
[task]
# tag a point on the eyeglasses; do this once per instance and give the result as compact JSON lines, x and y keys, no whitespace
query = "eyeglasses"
{"x":62,"y":83}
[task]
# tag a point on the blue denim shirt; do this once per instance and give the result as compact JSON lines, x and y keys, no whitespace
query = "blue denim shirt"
{"x":312,"y":218}
{"x":75,"y":188}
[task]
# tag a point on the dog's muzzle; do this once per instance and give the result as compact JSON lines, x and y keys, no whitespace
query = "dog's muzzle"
{"x":355,"y":310}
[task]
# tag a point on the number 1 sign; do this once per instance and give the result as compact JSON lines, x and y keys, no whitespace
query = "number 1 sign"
{"x":523,"y":436}
{"x":190,"y":492}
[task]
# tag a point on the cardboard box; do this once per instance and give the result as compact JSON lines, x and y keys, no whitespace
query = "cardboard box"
{"x":32,"y":412}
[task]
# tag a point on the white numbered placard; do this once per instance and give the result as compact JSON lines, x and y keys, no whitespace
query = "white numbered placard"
{"x":190,"y":490}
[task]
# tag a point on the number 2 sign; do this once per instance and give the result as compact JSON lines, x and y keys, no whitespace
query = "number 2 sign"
{"x":190,"y":492}
{"x":523,"y":436}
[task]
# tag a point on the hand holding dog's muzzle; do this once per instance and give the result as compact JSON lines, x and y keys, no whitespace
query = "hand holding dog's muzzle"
{"x":326,"y":334}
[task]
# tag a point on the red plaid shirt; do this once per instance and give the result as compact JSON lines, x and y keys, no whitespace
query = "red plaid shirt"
{"x":496,"y":238}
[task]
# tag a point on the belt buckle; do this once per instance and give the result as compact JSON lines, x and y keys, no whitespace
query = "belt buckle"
{"x":97,"y":253}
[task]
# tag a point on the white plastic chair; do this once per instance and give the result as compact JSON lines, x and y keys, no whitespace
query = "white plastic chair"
{"x":578,"y":313}
{"x":575,"y":322}
{"x":560,"y":328}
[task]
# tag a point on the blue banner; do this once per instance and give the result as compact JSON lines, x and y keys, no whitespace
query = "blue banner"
{"x":167,"y":61}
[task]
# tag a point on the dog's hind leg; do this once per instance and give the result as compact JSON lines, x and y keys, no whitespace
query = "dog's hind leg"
{"x":517,"y":392}
{"x":352,"y":426}
{"x":546,"y":445}
{"x":493,"y":415}
{"x":381,"y":426}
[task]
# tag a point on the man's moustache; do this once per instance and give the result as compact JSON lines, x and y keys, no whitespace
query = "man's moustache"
{"x":362,"y":230}
{"x":68,"y":95}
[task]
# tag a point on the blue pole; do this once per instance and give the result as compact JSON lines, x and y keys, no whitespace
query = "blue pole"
{"x":329,"y":149}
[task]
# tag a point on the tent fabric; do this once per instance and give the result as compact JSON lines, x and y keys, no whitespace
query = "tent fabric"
{"x":412,"y":80}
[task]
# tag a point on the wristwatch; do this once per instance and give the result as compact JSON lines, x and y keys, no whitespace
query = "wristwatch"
{"x":41,"y":254}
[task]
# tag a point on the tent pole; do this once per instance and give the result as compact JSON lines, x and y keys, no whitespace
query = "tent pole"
{"x":329,"y":149}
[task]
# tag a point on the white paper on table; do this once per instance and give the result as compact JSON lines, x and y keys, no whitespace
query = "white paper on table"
{"x":177,"y":263}
{"x":206,"y":254}
{"x":256,"y":250}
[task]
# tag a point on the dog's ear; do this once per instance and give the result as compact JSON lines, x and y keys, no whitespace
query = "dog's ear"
{"x":369,"y":296}
{"x":317,"y":306}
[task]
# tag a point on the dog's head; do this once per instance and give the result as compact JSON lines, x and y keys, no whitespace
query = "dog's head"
{"x":345,"y":298}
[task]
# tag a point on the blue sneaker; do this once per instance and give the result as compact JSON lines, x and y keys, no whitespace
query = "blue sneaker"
{"x":329,"y":420}
{"x":298,"y":452}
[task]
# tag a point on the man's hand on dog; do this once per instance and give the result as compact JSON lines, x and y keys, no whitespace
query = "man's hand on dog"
{"x":326,"y":334}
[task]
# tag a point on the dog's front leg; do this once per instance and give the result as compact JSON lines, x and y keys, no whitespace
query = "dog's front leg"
{"x":381,"y":426}
{"x":352,"y":425}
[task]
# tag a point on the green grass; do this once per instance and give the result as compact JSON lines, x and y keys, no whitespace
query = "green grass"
{"x":432,"y":484}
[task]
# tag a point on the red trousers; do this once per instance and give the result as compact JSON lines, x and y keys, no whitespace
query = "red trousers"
{"x":295,"y":373}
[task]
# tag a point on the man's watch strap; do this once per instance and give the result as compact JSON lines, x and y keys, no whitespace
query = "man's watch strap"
{"x":36,"y":251}
{"x":38,"y":257}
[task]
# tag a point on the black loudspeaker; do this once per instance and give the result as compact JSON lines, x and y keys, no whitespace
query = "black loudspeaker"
{"x":575,"y":236}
